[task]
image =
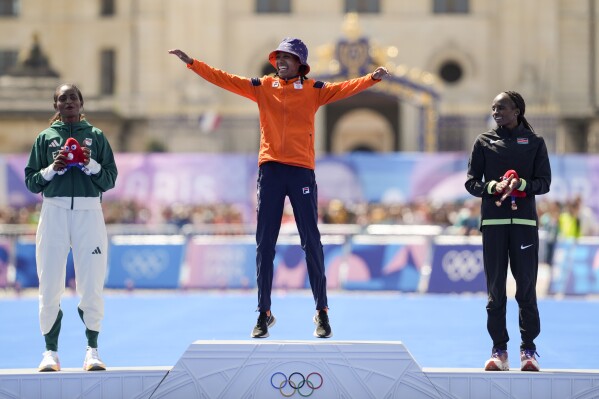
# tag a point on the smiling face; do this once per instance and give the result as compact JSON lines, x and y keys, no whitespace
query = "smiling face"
{"x":504,"y":111}
{"x":287,"y":65}
{"x":68,"y":103}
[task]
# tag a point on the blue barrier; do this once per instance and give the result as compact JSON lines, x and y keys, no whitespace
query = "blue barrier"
{"x":576,"y":267}
{"x":5,"y":250}
{"x":145,"y":261}
{"x":365,"y":262}
{"x":26,"y":265}
{"x":379,"y":263}
{"x":230,"y":262}
{"x":290,"y":268}
{"x":457,"y":265}
{"x":220,"y":262}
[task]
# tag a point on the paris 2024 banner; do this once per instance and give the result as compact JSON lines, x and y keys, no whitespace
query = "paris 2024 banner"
{"x":165,"y":179}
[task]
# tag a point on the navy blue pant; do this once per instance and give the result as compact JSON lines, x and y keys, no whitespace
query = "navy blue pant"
{"x":275,"y":182}
{"x":519,"y":245}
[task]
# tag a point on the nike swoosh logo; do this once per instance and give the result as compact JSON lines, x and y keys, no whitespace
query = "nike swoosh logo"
{"x":525,"y":246}
{"x":494,"y":141}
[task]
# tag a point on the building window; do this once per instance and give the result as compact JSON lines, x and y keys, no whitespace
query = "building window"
{"x":450,"y":6}
{"x":107,"y":71}
{"x":8,"y":59}
{"x":273,"y":6}
{"x":451,"y":72}
{"x":363,"y":6}
{"x":451,"y":133}
{"x":9,"y":8}
{"x":107,"y":8}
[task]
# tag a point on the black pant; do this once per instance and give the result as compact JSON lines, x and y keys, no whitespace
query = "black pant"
{"x":520,"y":245}
{"x":275,"y":182}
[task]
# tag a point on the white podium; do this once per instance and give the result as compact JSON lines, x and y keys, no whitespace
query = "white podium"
{"x":278,"y":369}
{"x":319,"y":369}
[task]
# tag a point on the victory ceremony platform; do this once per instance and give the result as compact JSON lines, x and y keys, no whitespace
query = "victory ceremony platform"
{"x":319,"y":369}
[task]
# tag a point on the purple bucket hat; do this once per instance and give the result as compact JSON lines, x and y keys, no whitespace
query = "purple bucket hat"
{"x":293,"y":46}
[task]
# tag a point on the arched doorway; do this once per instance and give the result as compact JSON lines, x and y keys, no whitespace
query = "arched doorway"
{"x":356,"y":56}
{"x":367,"y":119}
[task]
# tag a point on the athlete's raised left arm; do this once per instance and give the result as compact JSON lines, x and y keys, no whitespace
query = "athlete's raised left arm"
{"x":338,"y":91}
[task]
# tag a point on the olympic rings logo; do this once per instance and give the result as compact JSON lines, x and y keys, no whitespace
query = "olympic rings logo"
{"x":462,"y":265}
{"x":297,"y":383}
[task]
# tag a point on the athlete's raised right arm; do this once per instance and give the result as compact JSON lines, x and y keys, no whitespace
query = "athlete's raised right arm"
{"x":182,"y":56}
{"x":234,"y":83}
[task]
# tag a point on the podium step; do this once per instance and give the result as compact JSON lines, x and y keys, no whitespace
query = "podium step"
{"x":275,"y":369}
{"x":262,"y":369}
{"x":116,"y":382}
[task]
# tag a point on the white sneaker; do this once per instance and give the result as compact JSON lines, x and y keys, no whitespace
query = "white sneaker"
{"x":49,"y":362}
{"x":528,"y":361}
{"x":498,"y":361}
{"x":92,"y":360}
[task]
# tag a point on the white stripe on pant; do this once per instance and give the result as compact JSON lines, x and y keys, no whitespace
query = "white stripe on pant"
{"x":59,"y":230}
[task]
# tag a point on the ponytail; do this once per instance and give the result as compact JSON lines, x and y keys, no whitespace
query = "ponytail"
{"x":521,"y":105}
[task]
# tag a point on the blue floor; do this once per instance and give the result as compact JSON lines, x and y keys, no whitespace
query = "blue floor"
{"x":144,"y":329}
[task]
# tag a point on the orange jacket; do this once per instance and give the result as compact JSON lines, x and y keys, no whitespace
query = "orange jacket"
{"x":287,"y":109}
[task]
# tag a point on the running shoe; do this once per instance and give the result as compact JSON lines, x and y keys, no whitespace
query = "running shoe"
{"x":498,"y":361}
{"x":528,"y":361}
{"x":92,"y":360}
{"x":263,"y":324}
{"x":49,"y":361}
{"x":323,"y":328}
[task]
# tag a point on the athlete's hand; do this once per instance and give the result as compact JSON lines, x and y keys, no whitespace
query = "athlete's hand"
{"x":507,"y":184}
{"x":87,"y":153}
{"x":513,"y":184}
{"x":182,"y":56}
{"x":60,"y":162}
{"x":380,"y":73}
{"x":501,"y":186}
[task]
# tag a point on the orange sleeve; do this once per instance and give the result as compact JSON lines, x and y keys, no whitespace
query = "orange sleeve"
{"x":332,"y":92}
{"x":233,"y":83}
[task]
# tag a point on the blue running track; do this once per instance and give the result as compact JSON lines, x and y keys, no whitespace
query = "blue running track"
{"x":155,"y":329}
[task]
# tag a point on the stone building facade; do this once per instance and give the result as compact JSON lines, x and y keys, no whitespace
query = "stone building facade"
{"x":462,"y":51}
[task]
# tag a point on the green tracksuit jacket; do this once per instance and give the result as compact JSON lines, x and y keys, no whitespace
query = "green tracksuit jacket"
{"x":73,"y":183}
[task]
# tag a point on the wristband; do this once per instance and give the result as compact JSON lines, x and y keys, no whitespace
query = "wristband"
{"x":94,"y":167}
{"x":48,"y":173}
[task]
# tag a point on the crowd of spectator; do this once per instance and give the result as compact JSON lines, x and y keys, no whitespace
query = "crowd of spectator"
{"x":569,"y":219}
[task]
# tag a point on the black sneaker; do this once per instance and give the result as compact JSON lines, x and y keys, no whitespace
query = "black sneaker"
{"x":323,"y":328}
{"x":262,"y":325}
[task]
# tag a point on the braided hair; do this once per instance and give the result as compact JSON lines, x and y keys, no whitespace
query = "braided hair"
{"x":519,"y":103}
{"x":56,"y":116}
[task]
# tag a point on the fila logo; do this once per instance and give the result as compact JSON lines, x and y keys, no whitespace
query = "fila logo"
{"x":306,"y":190}
{"x":96,"y":251}
{"x":54,"y":144}
{"x":494,"y":141}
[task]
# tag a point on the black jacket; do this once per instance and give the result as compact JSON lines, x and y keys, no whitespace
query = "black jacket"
{"x":498,"y":151}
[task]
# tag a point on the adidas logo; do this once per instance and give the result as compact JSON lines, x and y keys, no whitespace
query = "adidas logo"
{"x":96,"y":251}
{"x":54,"y":144}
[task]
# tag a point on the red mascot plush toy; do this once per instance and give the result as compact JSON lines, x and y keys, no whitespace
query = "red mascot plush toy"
{"x":75,"y":157}
{"x":512,"y":192}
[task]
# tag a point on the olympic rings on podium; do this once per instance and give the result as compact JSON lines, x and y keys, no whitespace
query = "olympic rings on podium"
{"x":296,"y":382}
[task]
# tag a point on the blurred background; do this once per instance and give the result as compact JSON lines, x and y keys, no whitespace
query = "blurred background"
{"x":391,"y":161}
